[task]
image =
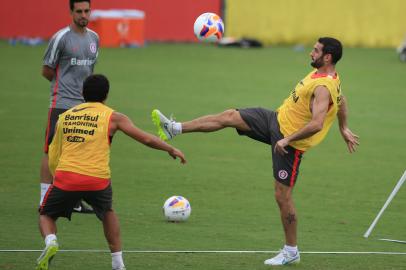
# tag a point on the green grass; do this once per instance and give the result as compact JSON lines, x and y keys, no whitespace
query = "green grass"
{"x":228,"y":179}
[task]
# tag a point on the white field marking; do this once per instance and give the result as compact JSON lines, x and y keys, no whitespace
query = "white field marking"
{"x":393,"y":240}
{"x":210,"y":251}
{"x":391,"y":196}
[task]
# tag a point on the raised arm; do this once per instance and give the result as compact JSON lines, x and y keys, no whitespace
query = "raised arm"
{"x":122,"y":122}
{"x":350,"y":138}
{"x":321,"y":102}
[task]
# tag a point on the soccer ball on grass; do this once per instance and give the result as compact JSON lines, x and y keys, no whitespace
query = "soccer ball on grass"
{"x":177,"y":208}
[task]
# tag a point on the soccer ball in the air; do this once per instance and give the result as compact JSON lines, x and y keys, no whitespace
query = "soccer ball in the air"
{"x":177,"y":208}
{"x":209,"y":27}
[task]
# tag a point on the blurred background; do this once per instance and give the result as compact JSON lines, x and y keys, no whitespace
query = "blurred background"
{"x":363,"y":23}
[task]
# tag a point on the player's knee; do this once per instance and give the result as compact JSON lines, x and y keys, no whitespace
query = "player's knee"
{"x":279,"y":198}
{"x":229,"y":117}
{"x":282,"y":196}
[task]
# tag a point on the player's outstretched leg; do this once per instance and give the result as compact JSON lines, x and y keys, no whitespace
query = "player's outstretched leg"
{"x":47,"y":255}
{"x":167,"y":128}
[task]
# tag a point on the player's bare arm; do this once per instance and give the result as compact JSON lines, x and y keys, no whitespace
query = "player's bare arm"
{"x":121,"y":122}
{"x":319,"y":107}
{"x":351,"y":139}
{"x":48,"y":72}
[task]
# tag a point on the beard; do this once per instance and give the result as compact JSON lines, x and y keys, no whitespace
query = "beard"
{"x":317,"y":63}
{"x":82,"y":22}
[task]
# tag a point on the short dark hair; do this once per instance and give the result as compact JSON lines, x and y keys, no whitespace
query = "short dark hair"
{"x":72,"y":3}
{"x":332,"y":46}
{"x":95,"y":88}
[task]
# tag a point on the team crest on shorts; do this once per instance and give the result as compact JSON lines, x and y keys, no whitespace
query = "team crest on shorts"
{"x":93,"y":47}
{"x":283,"y":174}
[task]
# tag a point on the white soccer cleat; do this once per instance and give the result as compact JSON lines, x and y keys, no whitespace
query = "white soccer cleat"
{"x":283,"y":258}
{"x":47,"y":255}
{"x":121,"y":268}
{"x":164,"y":125}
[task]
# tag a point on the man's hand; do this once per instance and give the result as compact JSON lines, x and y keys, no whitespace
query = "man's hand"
{"x":174,"y":153}
{"x":280,"y":146}
{"x":48,"y":73}
{"x":350,"y":138}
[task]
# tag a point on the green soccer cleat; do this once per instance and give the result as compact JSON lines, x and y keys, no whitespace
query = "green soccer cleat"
{"x":47,"y":255}
{"x":164,"y":125}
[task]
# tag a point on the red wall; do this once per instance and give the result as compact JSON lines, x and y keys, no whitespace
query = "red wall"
{"x":166,"y":20}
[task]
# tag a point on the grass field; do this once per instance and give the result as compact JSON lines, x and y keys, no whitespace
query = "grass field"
{"x":228,"y":179}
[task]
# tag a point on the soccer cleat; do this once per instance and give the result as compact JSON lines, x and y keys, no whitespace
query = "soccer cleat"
{"x":164,"y":125}
{"x":47,"y":255}
{"x":283,"y":258}
{"x":121,"y":268}
{"x":84,"y":208}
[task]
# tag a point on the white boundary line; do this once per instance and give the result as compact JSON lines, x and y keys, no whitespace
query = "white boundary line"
{"x":393,"y":240}
{"x":210,"y":251}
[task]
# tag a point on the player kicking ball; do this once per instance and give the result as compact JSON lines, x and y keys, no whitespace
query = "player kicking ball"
{"x":300,"y":123}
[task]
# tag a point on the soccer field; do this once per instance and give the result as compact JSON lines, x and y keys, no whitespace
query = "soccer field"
{"x":228,"y":179}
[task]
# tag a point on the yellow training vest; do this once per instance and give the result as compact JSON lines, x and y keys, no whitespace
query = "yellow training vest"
{"x":81,"y":143}
{"x":295,"y":112}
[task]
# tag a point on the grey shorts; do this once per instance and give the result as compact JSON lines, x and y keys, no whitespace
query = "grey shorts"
{"x":265,"y":128}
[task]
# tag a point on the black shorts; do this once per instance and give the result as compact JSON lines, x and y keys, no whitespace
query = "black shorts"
{"x":265,"y":128}
{"x":53,"y":115}
{"x":60,"y":203}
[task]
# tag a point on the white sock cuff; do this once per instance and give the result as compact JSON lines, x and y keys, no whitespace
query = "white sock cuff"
{"x":290,"y":249}
{"x":115,"y":254}
{"x":49,"y":238}
{"x":177,"y":128}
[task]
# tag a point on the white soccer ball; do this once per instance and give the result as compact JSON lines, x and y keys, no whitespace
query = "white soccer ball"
{"x":209,"y":27}
{"x":177,"y":208}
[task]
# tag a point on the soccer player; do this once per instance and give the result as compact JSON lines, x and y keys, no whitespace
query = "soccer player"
{"x":79,"y":160}
{"x":301,"y":122}
{"x":70,"y":58}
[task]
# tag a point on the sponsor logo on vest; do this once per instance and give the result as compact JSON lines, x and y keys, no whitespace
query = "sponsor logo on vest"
{"x":75,"y":139}
{"x":78,"y":130}
{"x":84,"y":117}
{"x":81,"y":109}
{"x":295,"y":97}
